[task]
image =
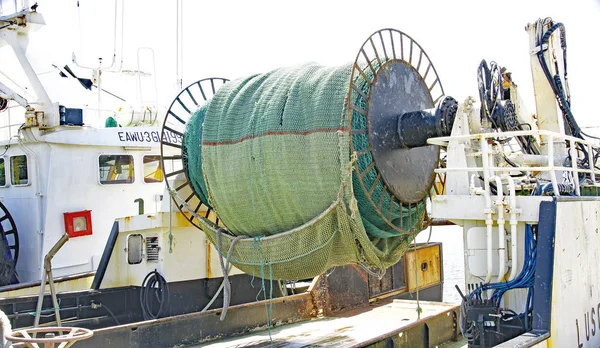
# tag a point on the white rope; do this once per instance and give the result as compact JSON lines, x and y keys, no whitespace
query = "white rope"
{"x":225,"y":264}
{"x":419,"y":309}
{"x":225,"y":271}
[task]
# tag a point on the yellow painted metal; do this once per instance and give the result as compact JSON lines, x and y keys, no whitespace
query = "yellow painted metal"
{"x":544,"y":344}
{"x":75,"y":284}
{"x":423,"y":267}
{"x":192,"y":256}
{"x":208,"y":260}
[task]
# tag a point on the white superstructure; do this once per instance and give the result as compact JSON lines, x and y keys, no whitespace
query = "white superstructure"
{"x":525,"y":190}
{"x":57,"y":159}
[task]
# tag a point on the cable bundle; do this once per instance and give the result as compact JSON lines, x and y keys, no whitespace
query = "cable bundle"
{"x":561,"y":91}
{"x":525,"y":279}
{"x":156,"y":283}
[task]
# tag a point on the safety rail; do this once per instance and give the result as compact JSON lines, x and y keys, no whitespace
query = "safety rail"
{"x":548,"y":158}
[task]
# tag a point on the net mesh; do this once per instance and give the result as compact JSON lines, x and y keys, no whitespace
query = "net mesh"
{"x":271,"y":155}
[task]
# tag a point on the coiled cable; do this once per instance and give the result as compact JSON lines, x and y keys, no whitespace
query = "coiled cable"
{"x":156,"y":283}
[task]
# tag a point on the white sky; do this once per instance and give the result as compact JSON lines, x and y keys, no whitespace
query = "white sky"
{"x":236,"y":38}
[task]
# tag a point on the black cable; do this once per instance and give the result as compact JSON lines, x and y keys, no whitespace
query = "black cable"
{"x":6,"y":147}
{"x":501,"y":113}
{"x":493,"y":188}
{"x":111,"y":314}
{"x":156,"y":283}
{"x":514,"y":165}
{"x":111,"y":94}
{"x":563,"y":99}
{"x":589,"y":136}
{"x":555,"y":82}
{"x":489,"y":91}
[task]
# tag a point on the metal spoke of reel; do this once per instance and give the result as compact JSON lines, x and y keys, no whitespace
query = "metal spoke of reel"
{"x":171,"y":146}
{"x":391,"y":52}
{"x":9,"y":232}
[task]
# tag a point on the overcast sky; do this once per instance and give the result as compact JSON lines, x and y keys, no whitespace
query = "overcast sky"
{"x":236,"y":38}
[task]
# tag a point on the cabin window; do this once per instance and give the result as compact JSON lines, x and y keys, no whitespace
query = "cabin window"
{"x":2,"y":173}
{"x":135,"y":244}
{"x":116,"y":169}
{"x":19,"y":172}
{"x":152,"y":169}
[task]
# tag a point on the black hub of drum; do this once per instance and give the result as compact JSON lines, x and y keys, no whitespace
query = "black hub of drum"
{"x":414,"y":128}
{"x":406,"y":168}
{"x":400,"y":114}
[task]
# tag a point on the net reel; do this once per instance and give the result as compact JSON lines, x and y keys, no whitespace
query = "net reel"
{"x":255,"y":134}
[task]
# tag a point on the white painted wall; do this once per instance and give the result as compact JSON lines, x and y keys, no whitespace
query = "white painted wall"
{"x":66,"y":176}
{"x":576,"y":280}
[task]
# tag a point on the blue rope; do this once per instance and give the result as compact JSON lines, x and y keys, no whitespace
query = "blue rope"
{"x":525,"y":279}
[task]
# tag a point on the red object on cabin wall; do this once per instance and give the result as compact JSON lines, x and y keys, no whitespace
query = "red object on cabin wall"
{"x":78,"y":223}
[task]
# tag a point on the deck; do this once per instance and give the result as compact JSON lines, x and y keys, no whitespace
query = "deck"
{"x":396,"y":321}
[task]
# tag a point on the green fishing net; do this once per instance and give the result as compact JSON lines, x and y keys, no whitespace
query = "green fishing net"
{"x":271,"y":155}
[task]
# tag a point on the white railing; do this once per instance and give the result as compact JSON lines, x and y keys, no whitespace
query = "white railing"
{"x":8,"y":7}
{"x":547,"y":160}
{"x":9,"y":118}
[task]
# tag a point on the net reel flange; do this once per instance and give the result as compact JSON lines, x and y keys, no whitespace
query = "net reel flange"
{"x":174,"y":166}
{"x":392,"y":76}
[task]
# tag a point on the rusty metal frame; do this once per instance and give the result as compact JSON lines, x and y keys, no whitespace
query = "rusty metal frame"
{"x":202,"y":326}
{"x":323,"y":298}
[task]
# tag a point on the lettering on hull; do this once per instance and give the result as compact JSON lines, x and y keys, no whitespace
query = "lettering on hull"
{"x":148,"y":137}
{"x":587,"y":329}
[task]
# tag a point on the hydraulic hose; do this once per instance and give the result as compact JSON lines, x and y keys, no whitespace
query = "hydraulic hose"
{"x":154,"y":282}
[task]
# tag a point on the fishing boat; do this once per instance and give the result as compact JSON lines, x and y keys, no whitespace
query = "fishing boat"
{"x":106,"y":233}
{"x":207,"y":268}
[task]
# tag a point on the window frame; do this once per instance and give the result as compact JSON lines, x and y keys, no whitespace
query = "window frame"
{"x":142,"y":246}
{"x":115,"y":183}
{"x":159,"y":165}
{"x":6,"y":179}
{"x":11,"y":170}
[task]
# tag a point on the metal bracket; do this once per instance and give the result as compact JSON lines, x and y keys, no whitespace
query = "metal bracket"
{"x":48,"y":276}
{"x":9,"y":94}
{"x":537,"y":49}
{"x":455,"y":327}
